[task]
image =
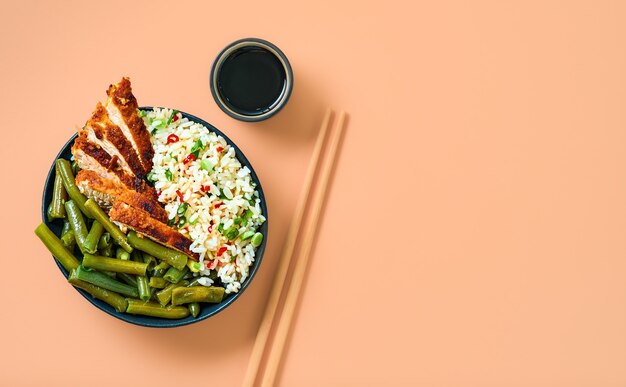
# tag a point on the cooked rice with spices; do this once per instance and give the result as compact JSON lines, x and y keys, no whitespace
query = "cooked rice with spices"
{"x":208,"y":195}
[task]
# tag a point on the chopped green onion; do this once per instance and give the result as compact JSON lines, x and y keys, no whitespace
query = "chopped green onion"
{"x":198,"y":146}
{"x":207,"y":165}
{"x":168,"y":175}
{"x":153,"y":131}
{"x":169,"y":120}
{"x":193,"y":218}
{"x":220,"y":228}
{"x":247,"y":215}
{"x":182,"y":209}
{"x":181,"y":221}
{"x":238,"y":220}
{"x":150,"y":176}
{"x":232,"y":233}
{"x":247,"y":235}
{"x":257,"y":239}
{"x":141,"y":113}
{"x":171,"y":222}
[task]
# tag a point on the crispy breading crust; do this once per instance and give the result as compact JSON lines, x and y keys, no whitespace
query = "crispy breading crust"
{"x":103,"y":191}
{"x":122,"y":97}
{"x":143,"y":202}
{"x":140,"y":221}
{"x":106,"y":130}
{"x":108,"y":163}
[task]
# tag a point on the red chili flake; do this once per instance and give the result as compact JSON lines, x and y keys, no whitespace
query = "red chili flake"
{"x":175,"y":118}
{"x":180,"y":196}
{"x":219,"y":149}
{"x":205,"y":188}
{"x":218,"y":204}
{"x":172,"y":138}
{"x":190,"y":157}
{"x":221,"y":251}
{"x":210,"y":229}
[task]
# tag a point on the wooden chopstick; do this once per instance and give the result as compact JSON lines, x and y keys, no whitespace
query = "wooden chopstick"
{"x":283,"y":265}
{"x":293,"y":292}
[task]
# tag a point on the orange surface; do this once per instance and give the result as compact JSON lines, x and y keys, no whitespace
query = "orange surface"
{"x":475,"y":230}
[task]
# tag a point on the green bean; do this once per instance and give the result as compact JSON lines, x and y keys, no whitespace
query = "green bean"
{"x":122,"y":254}
{"x":194,"y":309}
{"x":69,"y":240}
{"x":66,"y":225}
{"x":257,"y":239}
{"x":114,"y":265}
{"x":194,"y":266}
{"x":105,"y":240}
{"x":65,"y":169}
{"x":49,"y":213}
{"x":104,"y":281}
{"x":107,"y":251}
{"x":150,"y":260}
{"x":91,"y":242}
{"x":160,"y":269}
{"x":174,"y":275}
{"x":75,"y":168}
{"x":186,"y":295}
{"x":158,"y":282}
{"x":129,"y":279}
{"x":155,"y":310}
{"x":78,"y":223}
{"x":142,"y":281}
{"x":59,"y":196}
{"x":173,"y":257}
{"x":117,"y":234}
{"x":55,"y":246}
{"x":111,"y":298}
{"x":165,"y":295}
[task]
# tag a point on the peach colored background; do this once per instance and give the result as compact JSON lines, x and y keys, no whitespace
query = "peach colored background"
{"x":475,"y":234}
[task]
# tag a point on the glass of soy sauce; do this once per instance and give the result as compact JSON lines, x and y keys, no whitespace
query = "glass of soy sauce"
{"x":251,"y":79}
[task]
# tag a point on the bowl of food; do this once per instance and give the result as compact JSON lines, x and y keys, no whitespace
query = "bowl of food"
{"x":153,"y":215}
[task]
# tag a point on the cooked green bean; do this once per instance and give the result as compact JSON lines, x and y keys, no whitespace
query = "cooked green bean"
{"x":122,"y":254}
{"x":165,"y":295}
{"x":65,"y":169}
{"x":75,"y":168}
{"x":66,"y":225}
{"x":91,"y":242}
{"x":150,"y":260}
{"x":158,"y":282}
{"x":160,"y":269}
{"x":69,"y":240}
{"x":194,"y":309}
{"x":174,"y":275}
{"x":59,"y":196}
{"x":129,"y":279}
{"x":173,"y":257}
{"x":155,"y":310}
{"x":107,"y":251}
{"x":54,"y":244}
{"x":117,"y":234}
{"x":104,"y":281}
{"x":114,"y":265}
{"x":142,"y":281}
{"x":105,"y":240}
{"x":78,"y":223}
{"x":194,"y":266}
{"x":49,"y":213}
{"x":186,"y":295}
{"x":111,"y":298}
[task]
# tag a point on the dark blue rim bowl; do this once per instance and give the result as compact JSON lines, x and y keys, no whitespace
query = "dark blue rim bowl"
{"x":207,"y":310}
{"x":216,"y":67}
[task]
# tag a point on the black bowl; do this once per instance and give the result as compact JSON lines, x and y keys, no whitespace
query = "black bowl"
{"x":207,"y":310}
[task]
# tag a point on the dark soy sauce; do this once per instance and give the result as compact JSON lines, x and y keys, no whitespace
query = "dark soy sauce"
{"x":252,"y":81}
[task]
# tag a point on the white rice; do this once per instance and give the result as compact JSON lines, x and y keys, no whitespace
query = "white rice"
{"x":227,"y":179}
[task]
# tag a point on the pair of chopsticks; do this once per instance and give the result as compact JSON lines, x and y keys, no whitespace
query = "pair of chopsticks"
{"x":283,"y":324}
